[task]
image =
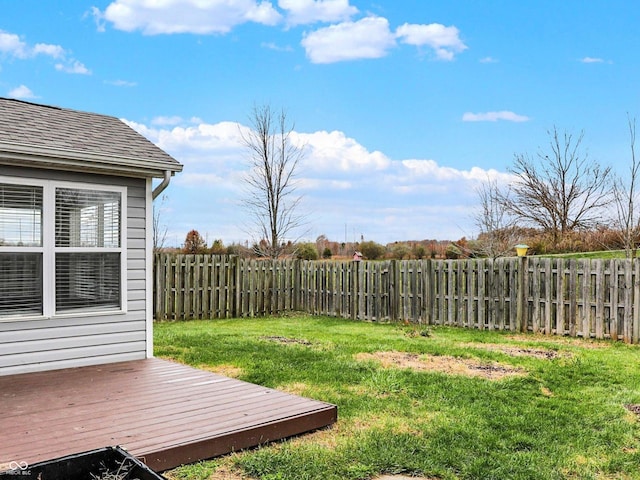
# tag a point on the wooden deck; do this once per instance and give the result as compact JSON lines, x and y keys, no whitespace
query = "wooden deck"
{"x":164,"y":413}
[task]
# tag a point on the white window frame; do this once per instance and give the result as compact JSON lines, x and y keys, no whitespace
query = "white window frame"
{"x":49,"y":250}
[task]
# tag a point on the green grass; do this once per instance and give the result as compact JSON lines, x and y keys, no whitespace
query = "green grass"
{"x":605,"y":254}
{"x":565,"y":418}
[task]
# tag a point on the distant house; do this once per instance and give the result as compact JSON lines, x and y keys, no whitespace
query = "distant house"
{"x":357,"y":256}
{"x":75,"y":238}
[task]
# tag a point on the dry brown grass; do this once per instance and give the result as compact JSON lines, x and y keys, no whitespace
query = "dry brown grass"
{"x":227,"y":473}
{"x":443,"y":364}
{"x":226,"y":370}
{"x":402,"y":477}
{"x":296,"y":388}
{"x":517,"y":351}
{"x":560,"y":340}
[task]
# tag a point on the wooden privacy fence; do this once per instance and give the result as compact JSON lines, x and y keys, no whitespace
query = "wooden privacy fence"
{"x":555,"y":296}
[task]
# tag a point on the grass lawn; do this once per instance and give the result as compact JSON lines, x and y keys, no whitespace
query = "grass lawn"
{"x":605,"y":254}
{"x":440,"y":403}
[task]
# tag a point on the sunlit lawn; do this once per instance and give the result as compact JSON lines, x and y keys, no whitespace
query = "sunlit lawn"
{"x":561,"y":415}
{"x":604,"y":255}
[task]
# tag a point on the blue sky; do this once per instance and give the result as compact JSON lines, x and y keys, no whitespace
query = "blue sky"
{"x":404,"y":105}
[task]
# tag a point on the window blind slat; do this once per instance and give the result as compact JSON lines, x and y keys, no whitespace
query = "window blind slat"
{"x":87,"y":218}
{"x":20,"y":273}
{"x":87,"y":281}
{"x":20,"y":215}
{"x":20,"y":284}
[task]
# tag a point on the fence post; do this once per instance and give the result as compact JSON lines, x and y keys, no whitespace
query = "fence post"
{"x":355,"y":288}
{"x":159,"y":287}
{"x":521,"y":321}
{"x":429,"y":291}
{"x":635,"y":335}
{"x":234,"y":263}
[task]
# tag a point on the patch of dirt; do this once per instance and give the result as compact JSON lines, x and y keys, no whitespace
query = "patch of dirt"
{"x":633,"y":408}
{"x":226,"y":473}
{"x":286,"y":340}
{"x":402,"y":477}
{"x":515,"y":351}
{"x":546,"y":392}
{"x":442,"y":364}
{"x":574,"y":342}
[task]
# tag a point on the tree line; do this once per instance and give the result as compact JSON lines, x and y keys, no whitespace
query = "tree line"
{"x":324,"y":248}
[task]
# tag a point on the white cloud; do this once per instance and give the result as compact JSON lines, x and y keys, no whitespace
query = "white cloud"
{"x":300,"y":12}
{"x":54,"y":51}
{"x":488,"y":60}
{"x":494,"y":117}
{"x":343,"y":183}
{"x":318,"y":184}
{"x":445,"y":41}
{"x":430,"y":169}
{"x":22,"y":92}
{"x":121,"y":83}
{"x":366,"y":38}
{"x":263,"y":13}
{"x":220,"y":141}
{"x":277,"y":48}
{"x":201,"y":179}
{"x":174,"y":120}
{"x":187,"y":16}
{"x":11,"y":44}
{"x":334,"y":152}
{"x":592,"y":60}
{"x":73,"y":66}
{"x":167,"y":121}
{"x":98,"y":18}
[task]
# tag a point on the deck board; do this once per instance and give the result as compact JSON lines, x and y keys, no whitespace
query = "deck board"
{"x":163,"y":412}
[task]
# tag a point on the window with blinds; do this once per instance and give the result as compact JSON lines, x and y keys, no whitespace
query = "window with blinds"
{"x":20,"y":215}
{"x":61,"y":248}
{"x":21,"y":251}
{"x":87,"y":281}
{"x":87,"y":240}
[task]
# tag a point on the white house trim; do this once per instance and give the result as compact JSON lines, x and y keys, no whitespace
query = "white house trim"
{"x":149,"y":271}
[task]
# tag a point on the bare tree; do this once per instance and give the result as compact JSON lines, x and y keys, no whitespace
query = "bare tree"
{"x":625,"y":195}
{"x":560,"y":191}
{"x":159,"y":228}
{"x":271,"y":198}
{"x":497,"y":227}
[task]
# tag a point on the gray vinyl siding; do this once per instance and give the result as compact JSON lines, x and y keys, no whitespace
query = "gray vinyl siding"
{"x":45,"y":344}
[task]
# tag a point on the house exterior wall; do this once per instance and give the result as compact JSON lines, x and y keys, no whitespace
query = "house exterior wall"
{"x":28,"y":345}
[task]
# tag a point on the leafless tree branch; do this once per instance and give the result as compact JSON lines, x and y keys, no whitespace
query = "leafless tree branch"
{"x":625,"y":195}
{"x":159,"y":229}
{"x":271,"y":197}
{"x":496,"y":226}
{"x":560,"y":191}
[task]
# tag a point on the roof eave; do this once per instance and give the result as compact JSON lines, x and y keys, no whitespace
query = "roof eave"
{"x":59,"y":159}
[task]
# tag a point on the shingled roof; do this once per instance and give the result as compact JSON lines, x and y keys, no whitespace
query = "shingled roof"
{"x":52,"y":137}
